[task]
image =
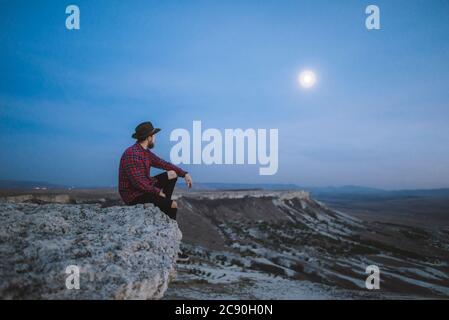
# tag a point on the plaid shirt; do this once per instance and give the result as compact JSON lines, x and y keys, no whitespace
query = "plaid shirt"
{"x":134,"y":172}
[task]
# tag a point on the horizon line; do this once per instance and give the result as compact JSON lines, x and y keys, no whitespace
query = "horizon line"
{"x":56,"y":185}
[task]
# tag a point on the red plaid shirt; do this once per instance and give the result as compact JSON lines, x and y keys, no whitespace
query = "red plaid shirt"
{"x":134,"y":172}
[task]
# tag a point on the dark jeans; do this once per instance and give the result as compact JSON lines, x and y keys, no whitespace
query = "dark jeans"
{"x":167,"y":186}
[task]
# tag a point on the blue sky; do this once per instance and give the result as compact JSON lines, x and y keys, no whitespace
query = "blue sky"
{"x":378,"y":116}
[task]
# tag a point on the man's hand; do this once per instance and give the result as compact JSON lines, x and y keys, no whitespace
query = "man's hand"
{"x":188,"y":180}
{"x":162,"y":194}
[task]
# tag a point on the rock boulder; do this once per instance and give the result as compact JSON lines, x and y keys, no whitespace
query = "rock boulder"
{"x":120,"y":252}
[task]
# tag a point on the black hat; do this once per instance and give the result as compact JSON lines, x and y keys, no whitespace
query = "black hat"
{"x":144,"y":130}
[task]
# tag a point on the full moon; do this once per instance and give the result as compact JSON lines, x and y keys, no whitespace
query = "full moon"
{"x":307,"y":79}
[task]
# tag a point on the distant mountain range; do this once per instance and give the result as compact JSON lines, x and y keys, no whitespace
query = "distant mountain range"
{"x":13,"y":184}
{"x":340,"y":191}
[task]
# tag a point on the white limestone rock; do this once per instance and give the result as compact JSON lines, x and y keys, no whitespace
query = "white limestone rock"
{"x":122,"y":252}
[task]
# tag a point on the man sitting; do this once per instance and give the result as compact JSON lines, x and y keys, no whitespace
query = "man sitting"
{"x":135,"y":183}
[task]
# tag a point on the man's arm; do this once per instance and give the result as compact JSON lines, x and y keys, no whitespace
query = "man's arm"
{"x":165,"y":165}
{"x":136,"y":171}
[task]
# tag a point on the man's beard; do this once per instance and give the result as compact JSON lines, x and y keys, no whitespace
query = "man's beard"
{"x":151,"y":145}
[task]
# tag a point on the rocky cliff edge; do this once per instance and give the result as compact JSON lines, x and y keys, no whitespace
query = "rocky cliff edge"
{"x":120,"y":252}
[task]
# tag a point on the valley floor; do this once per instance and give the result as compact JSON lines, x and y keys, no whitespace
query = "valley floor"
{"x":198,"y":282}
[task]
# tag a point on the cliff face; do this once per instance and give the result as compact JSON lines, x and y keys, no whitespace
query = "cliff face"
{"x":281,"y":244}
{"x":121,"y":252}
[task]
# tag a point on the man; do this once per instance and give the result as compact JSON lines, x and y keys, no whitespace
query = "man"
{"x":135,"y":183}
